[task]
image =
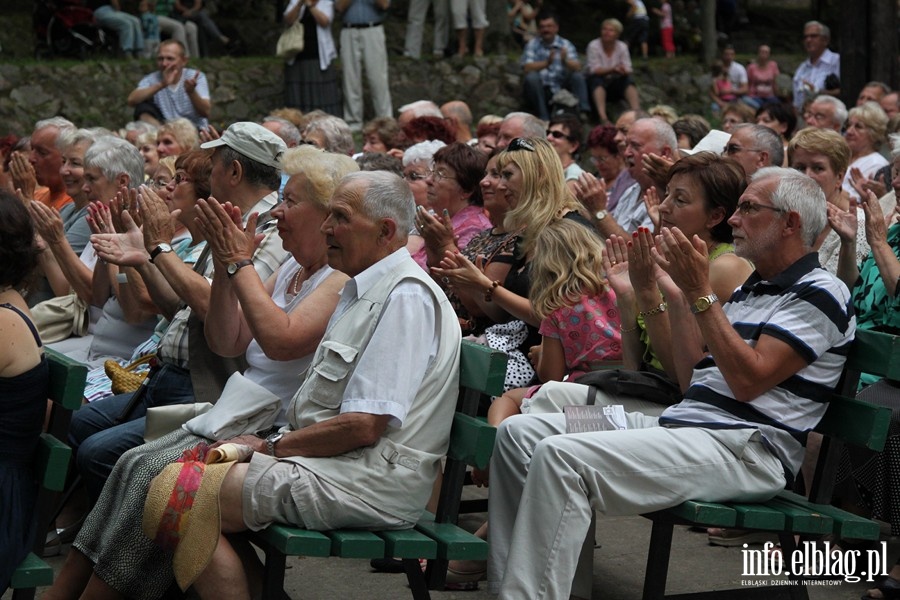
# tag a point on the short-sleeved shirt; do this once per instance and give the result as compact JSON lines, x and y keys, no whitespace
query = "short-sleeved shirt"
{"x":173,"y":101}
{"x":805,"y":307}
{"x":555,"y":74}
{"x":630,"y":212}
{"x":363,"y":11}
{"x":737,"y":74}
{"x":762,"y":79}
{"x":809,"y":78}
{"x":589,"y":331}
{"x":597,"y":58}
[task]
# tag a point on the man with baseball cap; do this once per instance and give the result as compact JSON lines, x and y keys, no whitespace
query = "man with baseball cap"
{"x":246,"y":172}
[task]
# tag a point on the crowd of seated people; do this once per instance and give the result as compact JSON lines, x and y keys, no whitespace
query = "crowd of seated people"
{"x":265,"y":263}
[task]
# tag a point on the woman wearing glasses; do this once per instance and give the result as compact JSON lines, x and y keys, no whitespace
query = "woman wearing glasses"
{"x":453,"y":213}
{"x":565,"y":133}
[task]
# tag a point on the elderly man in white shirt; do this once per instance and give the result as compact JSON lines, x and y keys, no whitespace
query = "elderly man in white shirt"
{"x":812,"y":74}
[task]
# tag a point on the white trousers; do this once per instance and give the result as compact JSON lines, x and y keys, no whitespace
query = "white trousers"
{"x":364,"y":48}
{"x":554,"y":395}
{"x":415,"y":23}
{"x":546,"y":485}
{"x":186,"y":33}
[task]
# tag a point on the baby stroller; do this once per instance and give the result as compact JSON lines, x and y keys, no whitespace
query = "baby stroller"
{"x":66,"y":28}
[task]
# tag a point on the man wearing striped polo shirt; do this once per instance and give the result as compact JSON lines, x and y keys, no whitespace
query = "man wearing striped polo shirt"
{"x":363,"y":45}
{"x":772,"y":354}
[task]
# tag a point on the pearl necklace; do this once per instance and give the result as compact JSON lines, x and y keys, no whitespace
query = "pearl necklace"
{"x":295,"y":282}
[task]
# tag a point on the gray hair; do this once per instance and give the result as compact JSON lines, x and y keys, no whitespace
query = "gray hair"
{"x":288,"y":131}
{"x":422,"y":151}
{"x":387,"y":197}
{"x":58,"y":122}
{"x":765,"y":139}
{"x":662,"y":131}
{"x":880,"y":85}
{"x":798,"y":193}
{"x":531,"y":125}
{"x":69,"y":137}
{"x":114,"y":156}
{"x":840,"y":109}
{"x":337,"y":134}
{"x":422,"y":108}
{"x":140,"y":127}
{"x":823,"y":28}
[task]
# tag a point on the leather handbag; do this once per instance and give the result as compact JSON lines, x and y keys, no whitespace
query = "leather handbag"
{"x":290,"y":43}
{"x":127,"y":378}
{"x":60,"y":318}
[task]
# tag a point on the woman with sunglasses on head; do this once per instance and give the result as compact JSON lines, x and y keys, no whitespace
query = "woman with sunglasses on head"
{"x":532,"y":183}
{"x":565,"y":133}
{"x":453,"y":213}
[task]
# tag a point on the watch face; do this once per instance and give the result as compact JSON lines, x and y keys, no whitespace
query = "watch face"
{"x":232,"y":268}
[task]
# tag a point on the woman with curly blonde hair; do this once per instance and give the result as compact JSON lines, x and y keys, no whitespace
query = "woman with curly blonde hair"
{"x":176,"y":137}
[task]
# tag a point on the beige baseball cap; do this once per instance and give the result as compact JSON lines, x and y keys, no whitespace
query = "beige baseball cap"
{"x":253,"y":141}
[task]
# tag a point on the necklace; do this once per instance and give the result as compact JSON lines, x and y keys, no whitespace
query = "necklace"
{"x":295,"y":282}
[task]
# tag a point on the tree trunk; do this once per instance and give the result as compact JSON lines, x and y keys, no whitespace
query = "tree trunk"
{"x":883,"y":42}
{"x":708,"y":32}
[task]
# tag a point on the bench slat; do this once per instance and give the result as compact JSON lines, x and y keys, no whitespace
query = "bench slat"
{"x":408,"y":543}
{"x":353,"y":543}
{"x":846,"y":524}
{"x":856,"y":422}
{"x":31,"y":572}
{"x":471,"y":440}
{"x":454,"y":543}
{"x":758,"y":516}
{"x":801,"y":520}
{"x":52,"y":462}
{"x":295,"y":542}
{"x":703,"y":513}
{"x":481,"y":368}
{"x":876,"y":353}
{"x":67,"y":379}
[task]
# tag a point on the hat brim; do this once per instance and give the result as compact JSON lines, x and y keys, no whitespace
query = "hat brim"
{"x":213,"y":144}
{"x":200,"y":525}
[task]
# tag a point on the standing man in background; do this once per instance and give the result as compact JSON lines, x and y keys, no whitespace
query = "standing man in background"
{"x":362,"y":44}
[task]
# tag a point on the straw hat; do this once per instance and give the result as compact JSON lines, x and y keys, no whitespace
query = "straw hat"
{"x":181,"y":514}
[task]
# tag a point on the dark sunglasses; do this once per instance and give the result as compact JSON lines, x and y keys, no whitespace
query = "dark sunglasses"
{"x":557,"y":134}
{"x":520,"y":144}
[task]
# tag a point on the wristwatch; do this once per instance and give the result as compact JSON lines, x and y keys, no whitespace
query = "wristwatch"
{"x":601,"y":214}
{"x":703,"y":303}
{"x":237,"y":266}
{"x":271,"y":440}
{"x":164,"y":247}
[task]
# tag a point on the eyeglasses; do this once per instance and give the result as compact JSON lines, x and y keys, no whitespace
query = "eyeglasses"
{"x":557,"y":134}
{"x":416,"y":176}
{"x":751,"y":208}
{"x":438,"y":175}
{"x":157,"y":184}
{"x":181,"y":178}
{"x":599,"y":160}
{"x":520,"y":144}
{"x":811,"y":35}
{"x":734,"y":149}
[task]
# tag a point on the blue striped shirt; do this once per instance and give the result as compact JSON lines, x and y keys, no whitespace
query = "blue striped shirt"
{"x":805,"y":307}
{"x":361,"y":12}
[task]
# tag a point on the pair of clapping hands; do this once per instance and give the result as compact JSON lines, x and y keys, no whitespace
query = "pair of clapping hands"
{"x":845,"y":222}
{"x":137,"y":221}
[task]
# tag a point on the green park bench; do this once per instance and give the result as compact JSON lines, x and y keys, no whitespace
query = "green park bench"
{"x":847,"y":421}
{"x":436,"y":537}
{"x":51,"y":466}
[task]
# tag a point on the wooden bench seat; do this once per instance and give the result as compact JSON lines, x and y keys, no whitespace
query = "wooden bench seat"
{"x":435,"y":538}
{"x":847,"y":421}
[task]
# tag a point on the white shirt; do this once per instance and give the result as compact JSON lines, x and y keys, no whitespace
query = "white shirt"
{"x":389,"y":372}
{"x":809,"y":78}
{"x":327,"y":51}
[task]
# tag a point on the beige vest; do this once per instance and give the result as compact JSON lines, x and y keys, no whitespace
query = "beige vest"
{"x":397,"y":473}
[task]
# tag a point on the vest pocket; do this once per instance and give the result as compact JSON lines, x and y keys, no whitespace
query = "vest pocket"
{"x":327,"y":386}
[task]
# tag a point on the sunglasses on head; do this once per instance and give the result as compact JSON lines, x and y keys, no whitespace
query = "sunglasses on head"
{"x":520,"y":144}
